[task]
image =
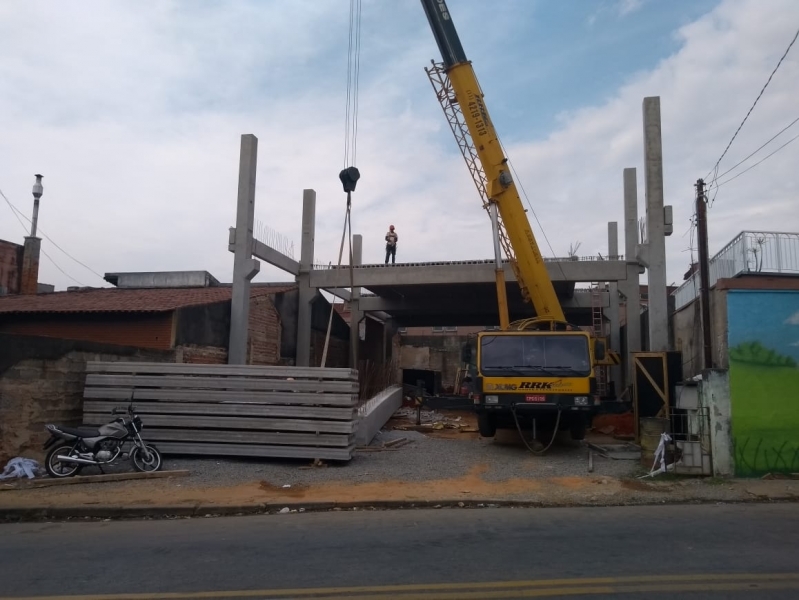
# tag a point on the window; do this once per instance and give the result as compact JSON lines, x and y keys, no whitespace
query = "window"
{"x":535,"y":355}
{"x":438,"y":329}
{"x":402,"y":330}
{"x":450,"y":328}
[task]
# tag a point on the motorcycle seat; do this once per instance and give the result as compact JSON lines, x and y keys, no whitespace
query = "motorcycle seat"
{"x":82,"y":432}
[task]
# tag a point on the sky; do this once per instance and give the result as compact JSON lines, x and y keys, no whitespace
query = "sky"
{"x":133,"y":112}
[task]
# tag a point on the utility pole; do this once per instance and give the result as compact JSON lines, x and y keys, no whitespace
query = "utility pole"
{"x":704,"y":272}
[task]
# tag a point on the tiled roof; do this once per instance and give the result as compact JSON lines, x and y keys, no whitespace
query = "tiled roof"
{"x":127,"y":300}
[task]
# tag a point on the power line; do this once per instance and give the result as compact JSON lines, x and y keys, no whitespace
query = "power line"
{"x":14,"y":212}
{"x":18,"y":212}
{"x":783,"y":130}
{"x":716,"y":167}
{"x":757,"y":163}
{"x":55,"y":264}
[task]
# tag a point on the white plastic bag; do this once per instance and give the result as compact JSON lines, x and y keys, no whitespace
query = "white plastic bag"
{"x":19,"y":467}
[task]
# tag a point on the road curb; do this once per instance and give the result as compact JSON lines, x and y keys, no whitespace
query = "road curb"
{"x":56,"y":513}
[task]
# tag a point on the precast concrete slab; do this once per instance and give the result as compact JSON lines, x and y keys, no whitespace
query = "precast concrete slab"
{"x":376,"y":413}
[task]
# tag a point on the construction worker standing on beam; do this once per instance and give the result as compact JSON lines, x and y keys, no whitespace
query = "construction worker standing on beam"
{"x":391,"y":244}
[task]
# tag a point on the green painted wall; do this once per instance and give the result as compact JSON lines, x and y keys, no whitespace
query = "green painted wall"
{"x":763,"y":330}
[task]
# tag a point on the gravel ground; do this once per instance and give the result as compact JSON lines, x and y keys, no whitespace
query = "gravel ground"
{"x":425,"y":458}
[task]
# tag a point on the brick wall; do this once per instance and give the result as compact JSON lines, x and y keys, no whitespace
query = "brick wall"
{"x":338,"y":352}
{"x":201,"y":355}
{"x":29,"y":278}
{"x":10,"y":263}
{"x":142,"y":330}
{"x":42,"y":380}
{"x":264,"y":332}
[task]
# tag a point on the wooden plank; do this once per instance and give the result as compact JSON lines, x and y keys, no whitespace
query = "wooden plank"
{"x":257,"y":451}
{"x":249,"y":437}
{"x":102,"y":410}
{"x":108,"y":477}
{"x":226,"y":370}
{"x":255,"y":424}
{"x":230,"y":383}
{"x":215,"y":396}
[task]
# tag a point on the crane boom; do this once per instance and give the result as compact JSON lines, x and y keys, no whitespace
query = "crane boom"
{"x":531,"y":271}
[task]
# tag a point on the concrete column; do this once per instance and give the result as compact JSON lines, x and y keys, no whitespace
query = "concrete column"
{"x":613,"y":306}
{"x":306,"y":293}
{"x":631,"y":286}
{"x":29,"y":273}
{"x":245,"y":267}
{"x":656,"y":227}
{"x":356,"y":314}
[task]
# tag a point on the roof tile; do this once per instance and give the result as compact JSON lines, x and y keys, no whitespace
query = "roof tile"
{"x":127,"y":300}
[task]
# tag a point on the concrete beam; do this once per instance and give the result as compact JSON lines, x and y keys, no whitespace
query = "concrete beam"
{"x":398,"y":275}
{"x":613,"y":305}
{"x":342,"y":293}
{"x":244,"y":266}
{"x":376,"y":303}
{"x":656,"y":227}
{"x":356,"y":314}
{"x":273,"y":257}
{"x":306,"y":292}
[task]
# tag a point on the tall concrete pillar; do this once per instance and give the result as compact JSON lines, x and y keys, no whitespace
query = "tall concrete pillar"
{"x":245,"y":267}
{"x":655,"y":255}
{"x":631,"y":286}
{"x":306,"y":292}
{"x":613,"y":306}
{"x":356,"y":314}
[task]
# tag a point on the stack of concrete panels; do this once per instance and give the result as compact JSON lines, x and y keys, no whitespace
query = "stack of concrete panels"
{"x":225,"y":410}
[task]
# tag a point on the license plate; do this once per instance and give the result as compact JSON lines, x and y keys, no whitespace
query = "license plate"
{"x":535,"y":398}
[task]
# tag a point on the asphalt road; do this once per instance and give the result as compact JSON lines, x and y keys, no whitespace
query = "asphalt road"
{"x":720,"y":551}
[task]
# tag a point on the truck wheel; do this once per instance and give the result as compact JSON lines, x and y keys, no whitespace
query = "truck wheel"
{"x":486,"y":425}
{"x":577,"y":430}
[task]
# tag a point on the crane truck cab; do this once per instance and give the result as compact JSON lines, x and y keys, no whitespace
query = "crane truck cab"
{"x":521,"y":376}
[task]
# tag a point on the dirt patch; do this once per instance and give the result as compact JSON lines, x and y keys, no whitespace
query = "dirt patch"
{"x":641,"y":486}
{"x":448,"y":424}
{"x":470,"y":487}
{"x":287,"y":491}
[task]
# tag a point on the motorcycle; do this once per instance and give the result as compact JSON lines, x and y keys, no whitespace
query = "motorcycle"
{"x":76,"y":448}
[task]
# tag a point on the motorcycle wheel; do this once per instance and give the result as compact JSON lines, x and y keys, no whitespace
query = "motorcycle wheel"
{"x":142,"y":463}
{"x":58,"y":468}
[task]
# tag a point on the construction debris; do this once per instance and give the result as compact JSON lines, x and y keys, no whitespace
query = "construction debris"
{"x":429,"y":419}
{"x":391,"y":443}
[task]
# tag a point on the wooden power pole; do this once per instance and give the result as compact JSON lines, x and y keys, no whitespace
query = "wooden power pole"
{"x":704,"y":273}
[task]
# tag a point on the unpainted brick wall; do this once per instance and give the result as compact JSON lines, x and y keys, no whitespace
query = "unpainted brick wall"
{"x":34,"y":392}
{"x":338,"y":351}
{"x":201,"y":355}
{"x":264,"y":332}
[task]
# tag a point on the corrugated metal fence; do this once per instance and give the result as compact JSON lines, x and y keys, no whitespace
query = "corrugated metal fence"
{"x":224,"y":410}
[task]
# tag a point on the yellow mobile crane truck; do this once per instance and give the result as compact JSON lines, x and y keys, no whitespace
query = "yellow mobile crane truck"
{"x":543,"y":369}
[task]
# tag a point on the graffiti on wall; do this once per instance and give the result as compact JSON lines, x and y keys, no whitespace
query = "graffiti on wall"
{"x":763,"y":334}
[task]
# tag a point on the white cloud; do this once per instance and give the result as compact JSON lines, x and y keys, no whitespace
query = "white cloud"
{"x":793,"y":320}
{"x":134,"y":110}
{"x":625,"y":7}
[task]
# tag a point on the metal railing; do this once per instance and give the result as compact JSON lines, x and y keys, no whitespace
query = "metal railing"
{"x":749,"y":252}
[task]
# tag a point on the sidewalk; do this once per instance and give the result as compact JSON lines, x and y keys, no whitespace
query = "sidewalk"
{"x":175,"y":497}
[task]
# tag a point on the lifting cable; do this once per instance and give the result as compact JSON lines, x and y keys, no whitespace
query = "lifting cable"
{"x":349,"y":175}
{"x":521,"y":435}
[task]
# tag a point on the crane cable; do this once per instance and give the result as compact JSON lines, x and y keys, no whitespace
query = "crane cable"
{"x":349,"y":175}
